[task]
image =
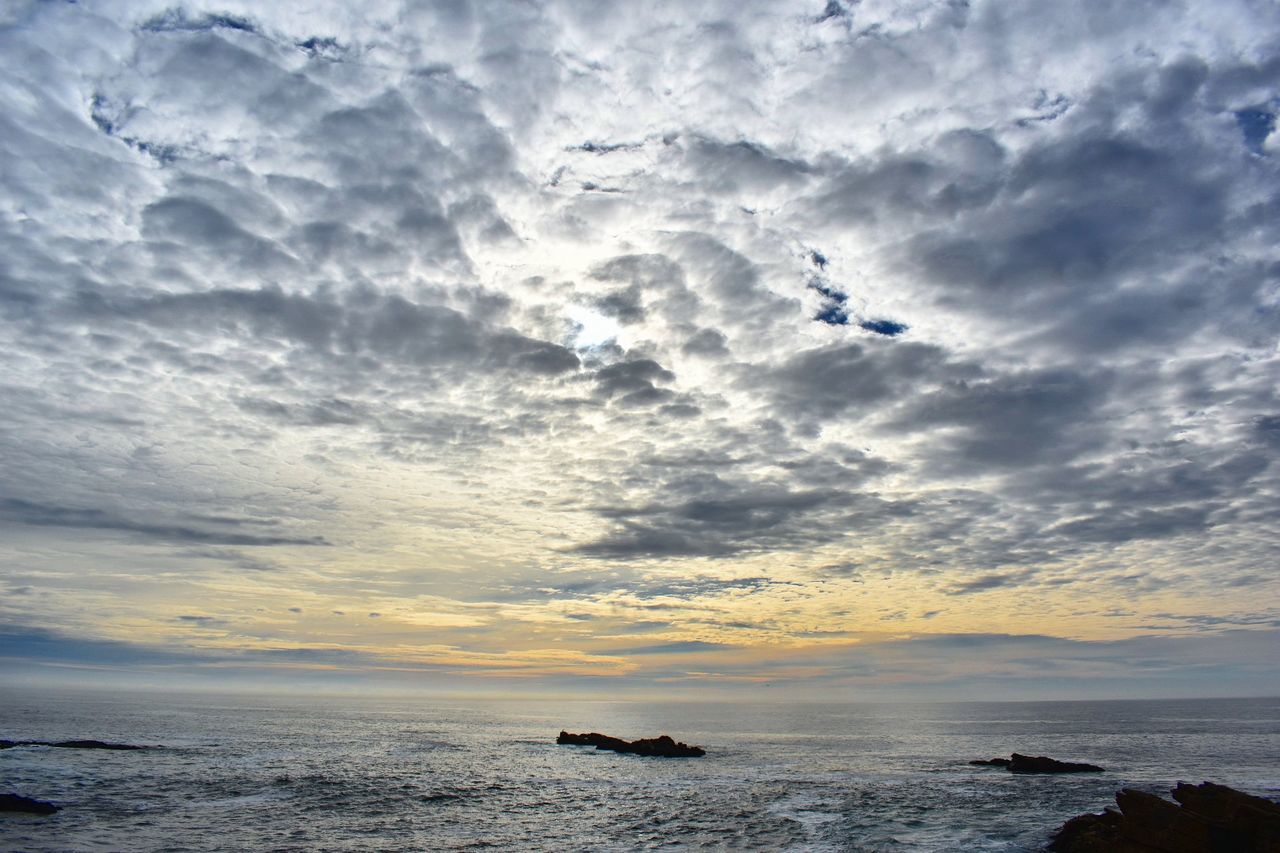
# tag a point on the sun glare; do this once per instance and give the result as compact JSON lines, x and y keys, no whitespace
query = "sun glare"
{"x":591,"y":328}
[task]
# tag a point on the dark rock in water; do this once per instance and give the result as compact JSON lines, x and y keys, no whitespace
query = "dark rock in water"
{"x":69,"y":744}
{"x":1206,"y":818}
{"x":92,"y":744}
{"x":1037,"y":764}
{"x":1040,"y":764}
{"x":26,"y":805}
{"x":595,"y":739}
{"x":660,"y":747}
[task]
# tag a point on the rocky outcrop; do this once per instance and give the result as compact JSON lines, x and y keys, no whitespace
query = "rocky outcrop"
{"x":26,"y":805}
{"x":69,"y":744}
{"x":1205,"y":818}
{"x":1040,"y":764}
{"x":1037,"y":764}
{"x":658,"y":747}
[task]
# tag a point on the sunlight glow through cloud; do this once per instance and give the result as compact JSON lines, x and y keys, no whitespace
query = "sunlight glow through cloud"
{"x":591,"y":328}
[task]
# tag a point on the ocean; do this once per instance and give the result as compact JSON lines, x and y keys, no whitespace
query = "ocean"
{"x":248,"y":773}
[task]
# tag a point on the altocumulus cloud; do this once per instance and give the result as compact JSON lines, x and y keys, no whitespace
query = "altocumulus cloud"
{"x":296,"y":293}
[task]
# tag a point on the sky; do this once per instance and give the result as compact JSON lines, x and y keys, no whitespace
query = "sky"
{"x":756,"y":349}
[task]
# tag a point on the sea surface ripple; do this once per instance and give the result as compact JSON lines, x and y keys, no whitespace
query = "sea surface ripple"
{"x":357,"y":774}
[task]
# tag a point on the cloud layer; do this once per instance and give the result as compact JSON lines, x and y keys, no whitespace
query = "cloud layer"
{"x":557,"y":334}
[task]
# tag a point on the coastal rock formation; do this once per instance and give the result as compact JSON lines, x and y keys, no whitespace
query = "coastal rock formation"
{"x":69,"y":744}
{"x":26,"y":805}
{"x":1037,"y":764}
{"x":1040,"y":764}
{"x":660,"y":747}
{"x":1206,"y":818}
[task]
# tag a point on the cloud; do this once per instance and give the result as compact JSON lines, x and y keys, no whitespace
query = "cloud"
{"x":689,"y":647}
{"x":388,"y":328}
{"x":1015,"y":419}
{"x":14,"y":510}
{"x":852,"y":379}
{"x":884,"y":293}
{"x":715,"y":518}
{"x":202,"y":621}
{"x":986,"y":582}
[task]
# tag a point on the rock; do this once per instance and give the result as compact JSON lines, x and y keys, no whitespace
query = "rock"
{"x":1040,"y":764}
{"x":1206,"y":818}
{"x":92,"y":744}
{"x":69,"y":744}
{"x":1036,"y":764}
{"x":567,"y":739}
{"x":659,"y":747}
{"x":1091,"y":833}
{"x":26,"y":805}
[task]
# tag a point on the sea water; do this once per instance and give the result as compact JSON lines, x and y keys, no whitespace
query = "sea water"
{"x":306,"y":773}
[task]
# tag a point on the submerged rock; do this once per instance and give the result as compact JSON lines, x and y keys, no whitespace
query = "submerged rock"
{"x":1037,"y":764}
{"x":69,"y":744}
{"x":1206,"y":818}
{"x":92,"y":744}
{"x":26,"y":805}
{"x":660,"y":747}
